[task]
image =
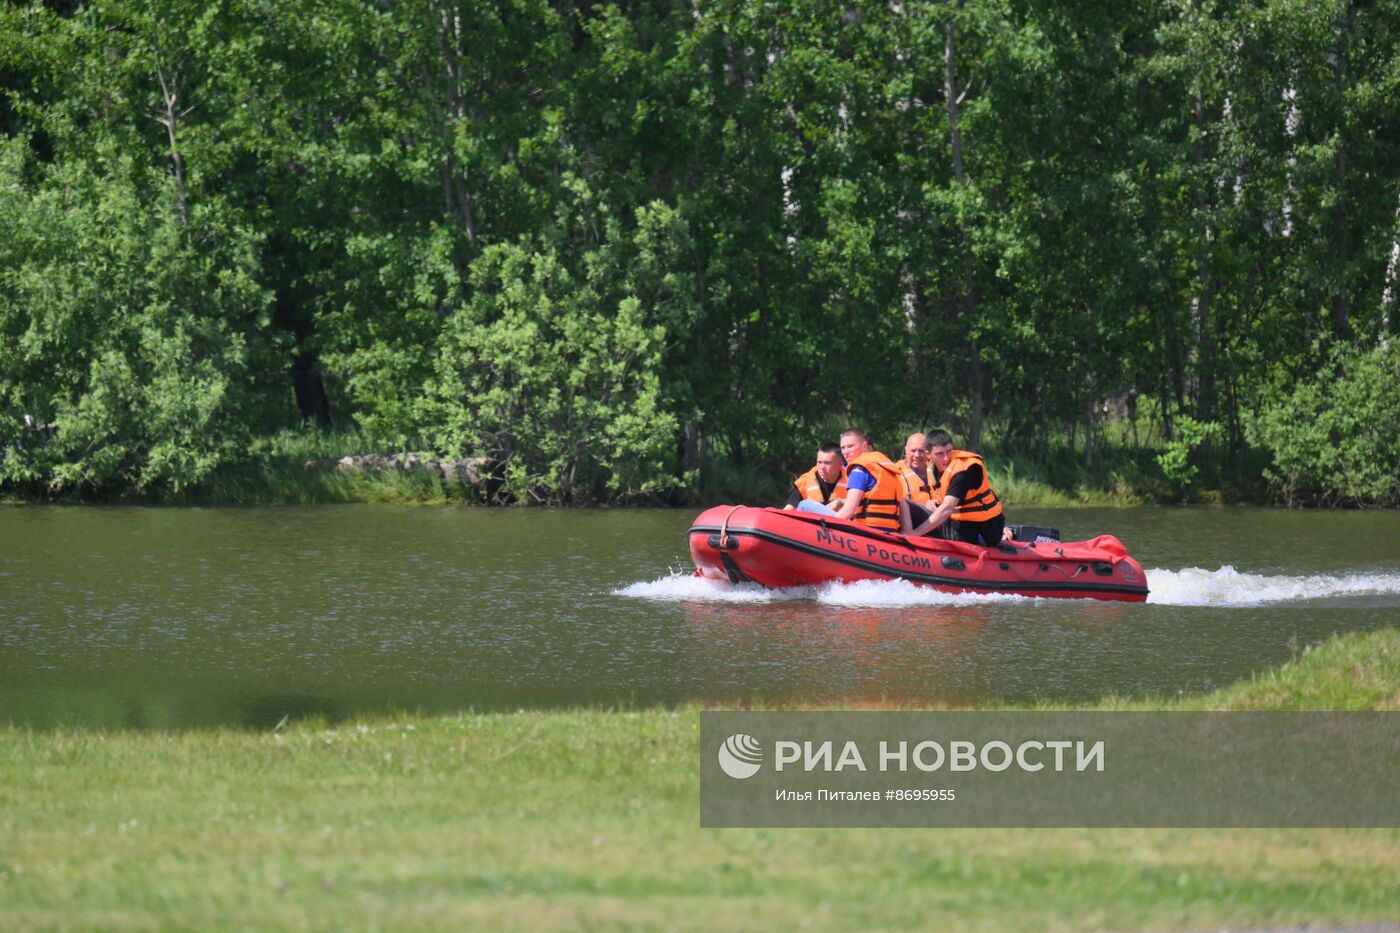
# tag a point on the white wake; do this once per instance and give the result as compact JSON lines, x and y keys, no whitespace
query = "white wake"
{"x":685,"y":588}
{"x":1193,"y":586}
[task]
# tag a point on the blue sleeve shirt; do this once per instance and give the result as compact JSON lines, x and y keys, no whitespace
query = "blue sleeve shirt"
{"x":858,"y":477}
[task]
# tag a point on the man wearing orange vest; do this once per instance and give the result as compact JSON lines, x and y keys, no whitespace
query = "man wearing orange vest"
{"x":824,"y":483}
{"x":913,"y":472}
{"x":874,"y":492}
{"x":966,"y":499}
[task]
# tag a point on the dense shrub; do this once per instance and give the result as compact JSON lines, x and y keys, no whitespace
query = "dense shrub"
{"x":556,"y":376}
{"x":129,"y":329}
{"x":1335,"y":437}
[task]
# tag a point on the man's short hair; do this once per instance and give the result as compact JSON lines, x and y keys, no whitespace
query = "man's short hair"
{"x":939,"y":438}
{"x":857,"y":433}
{"x":829,"y":448}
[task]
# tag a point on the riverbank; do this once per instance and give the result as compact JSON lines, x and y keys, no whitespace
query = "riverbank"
{"x":589,"y":818}
{"x":310,"y":468}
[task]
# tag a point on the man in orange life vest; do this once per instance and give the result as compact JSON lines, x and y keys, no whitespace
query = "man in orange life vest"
{"x":874,"y":493}
{"x":913,"y":472}
{"x":824,"y":483}
{"x":966,"y":499}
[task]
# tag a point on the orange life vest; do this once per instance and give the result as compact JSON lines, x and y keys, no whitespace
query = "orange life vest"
{"x":879,"y":507}
{"x":917,"y":488}
{"x":809,"y":488}
{"x":978,"y":505}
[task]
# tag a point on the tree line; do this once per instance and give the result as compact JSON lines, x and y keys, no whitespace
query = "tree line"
{"x":608,"y":246}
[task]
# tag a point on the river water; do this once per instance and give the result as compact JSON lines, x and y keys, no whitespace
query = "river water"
{"x":173,"y":618}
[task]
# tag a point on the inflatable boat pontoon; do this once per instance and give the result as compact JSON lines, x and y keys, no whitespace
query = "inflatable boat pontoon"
{"x":780,"y":548}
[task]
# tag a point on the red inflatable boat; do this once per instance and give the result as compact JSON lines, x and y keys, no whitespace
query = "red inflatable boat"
{"x":779,"y":548}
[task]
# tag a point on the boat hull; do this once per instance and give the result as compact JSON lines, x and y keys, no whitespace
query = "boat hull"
{"x":778,"y":548}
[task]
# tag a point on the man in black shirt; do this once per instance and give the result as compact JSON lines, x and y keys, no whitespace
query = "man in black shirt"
{"x":966,"y":500}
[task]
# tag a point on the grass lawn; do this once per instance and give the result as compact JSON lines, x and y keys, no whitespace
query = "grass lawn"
{"x":590,"y":819}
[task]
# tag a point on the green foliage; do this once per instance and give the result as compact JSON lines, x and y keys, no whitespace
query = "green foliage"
{"x":740,"y":223}
{"x":1335,"y":436}
{"x":129,"y":329}
{"x":554,"y":375}
{"x":1178,"y":458}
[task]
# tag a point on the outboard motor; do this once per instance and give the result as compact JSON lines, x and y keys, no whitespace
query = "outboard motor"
{"x":1034,"y":534}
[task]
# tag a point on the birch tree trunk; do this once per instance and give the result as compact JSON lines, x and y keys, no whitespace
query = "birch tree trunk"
{"x":1202,"y":332}
{"x":1292,"y":122}
{"x":1337,"y":60}
{"x":457,"y":197}
{"x":965,"y":299}
{"x":1389,"y":295}
{"x":169,"y":116}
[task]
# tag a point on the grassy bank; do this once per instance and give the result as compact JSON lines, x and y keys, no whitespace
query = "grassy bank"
{"x":274,"y":472}
{"x":1121,"y":475}
{"x":588,"y":819}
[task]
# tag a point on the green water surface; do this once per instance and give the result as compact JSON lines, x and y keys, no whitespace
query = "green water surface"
{"x":175,"y":618}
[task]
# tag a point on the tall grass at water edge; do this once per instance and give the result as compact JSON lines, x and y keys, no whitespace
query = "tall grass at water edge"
{"x":275,"y":472}
{"x":1123,"y":472}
